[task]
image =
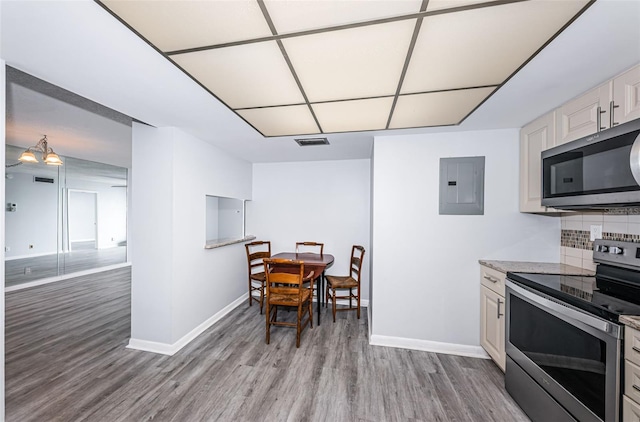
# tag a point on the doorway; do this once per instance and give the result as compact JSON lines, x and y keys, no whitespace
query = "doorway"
{"x":82,"y":224}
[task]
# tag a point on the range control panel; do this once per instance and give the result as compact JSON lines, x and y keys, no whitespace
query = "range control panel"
{"x":614,"y":252}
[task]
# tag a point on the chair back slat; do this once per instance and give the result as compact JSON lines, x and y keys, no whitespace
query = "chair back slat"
{"x":256,"y":253}
{"x":357,"y":256}
{"x":306,"y":247}
{"x":285,"y":277}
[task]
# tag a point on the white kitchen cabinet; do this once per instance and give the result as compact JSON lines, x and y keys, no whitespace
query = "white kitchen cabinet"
{"x":631,"y":390}
{"x":492,"y":310}
{"x":626,"y":97}
{"x":535,"y":137}
{"x":583,"y":116}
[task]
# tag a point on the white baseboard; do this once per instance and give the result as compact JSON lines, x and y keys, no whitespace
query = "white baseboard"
{"x":171,"y":349}
{"x":429,"y":346}
{"x":65,"y":277}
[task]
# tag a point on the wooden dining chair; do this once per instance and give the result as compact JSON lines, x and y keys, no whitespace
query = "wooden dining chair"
{"x":312,"y":247}
{"x":256,"y":252}
{"x":285,"y":287}
{"x":350,"y":282}
{"x":309,"y":247}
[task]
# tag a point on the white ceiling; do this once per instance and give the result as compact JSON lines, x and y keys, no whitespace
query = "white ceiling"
{"x":80,"y":47}
{"x":336,"y":66}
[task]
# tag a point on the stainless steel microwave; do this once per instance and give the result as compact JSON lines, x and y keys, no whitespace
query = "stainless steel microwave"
{"x":598,"y":171}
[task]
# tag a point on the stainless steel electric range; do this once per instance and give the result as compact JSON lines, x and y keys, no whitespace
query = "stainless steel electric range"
{"x":564,"y":341}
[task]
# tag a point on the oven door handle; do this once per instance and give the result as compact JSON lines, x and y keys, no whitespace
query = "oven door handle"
{"x":587,"y":319}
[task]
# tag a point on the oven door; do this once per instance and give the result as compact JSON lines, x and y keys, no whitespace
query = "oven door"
{"x":572,"y":355}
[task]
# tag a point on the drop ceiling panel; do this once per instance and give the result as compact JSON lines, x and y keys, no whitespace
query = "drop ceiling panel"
{"x":295,"y":16}
{"x":351,"y":75}
{"x":281,"y":121}
{"x":450,"y":4}
{"x":175,"y":25}
{"x":369,"y":114}
{"x":353,"y":63}
{"x":482,"y":46}
{"x":437,"y":108}
{"x":251,"y":75}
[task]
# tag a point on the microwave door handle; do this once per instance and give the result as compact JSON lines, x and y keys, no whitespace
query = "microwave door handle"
{"x":634,"y":159}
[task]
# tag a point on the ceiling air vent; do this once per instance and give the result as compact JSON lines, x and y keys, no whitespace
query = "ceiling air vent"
{"x":43,"y":179}
{"x":312,"y":141}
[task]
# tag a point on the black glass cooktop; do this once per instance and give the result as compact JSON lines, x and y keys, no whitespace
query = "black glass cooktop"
{"x":607,"y":298}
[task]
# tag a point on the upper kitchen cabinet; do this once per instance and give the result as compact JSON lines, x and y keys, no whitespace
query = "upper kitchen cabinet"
{"x":626,"y":97}
{"x":583,"y":116}
{"x":613,"y":103}
{"x":535,"y":137}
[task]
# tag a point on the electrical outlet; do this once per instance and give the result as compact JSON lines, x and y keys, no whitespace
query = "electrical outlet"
{"x":596,"y":232}
{"x":27,"y":270}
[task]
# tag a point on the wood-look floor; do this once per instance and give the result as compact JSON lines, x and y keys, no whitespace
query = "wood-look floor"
{"x":66,"y":361}
{"x":24,"y":270}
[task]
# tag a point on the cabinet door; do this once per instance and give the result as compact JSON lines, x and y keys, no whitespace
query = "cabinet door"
{"x":535,"y":137}
{"x":626,"y":97}
{"x":492,"y":325}
{"x":584,"y":115}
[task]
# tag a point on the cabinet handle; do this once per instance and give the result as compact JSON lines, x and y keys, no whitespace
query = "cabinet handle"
{"x":635,"y":349}
{"x":491,"y":279}
{"x":599,"y":113}
{"x":635,"y":387}
{"x":612,"y":106}
{"x":499,"y":314}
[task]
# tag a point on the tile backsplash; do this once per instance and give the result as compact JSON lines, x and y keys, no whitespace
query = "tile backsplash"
{"x":617,"y":224}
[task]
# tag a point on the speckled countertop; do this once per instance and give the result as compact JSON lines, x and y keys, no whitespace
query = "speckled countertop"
{"x":535,"y":267}
{"x":631,"y":321}
{"x":218,"y":243}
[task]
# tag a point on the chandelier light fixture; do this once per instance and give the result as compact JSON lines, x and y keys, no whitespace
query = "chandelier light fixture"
{"x":48,"y":156}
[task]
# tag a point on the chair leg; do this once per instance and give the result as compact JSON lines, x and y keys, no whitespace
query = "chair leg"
{"x":268,"y":317}
{"x":358,"y":303}
{"x":250,"y":297}
{"x":310,"y":312}
{"x":261,"y":297}
{"x":298,"y":325}
{"x":334,"y":293}
{"x":350,"y":297}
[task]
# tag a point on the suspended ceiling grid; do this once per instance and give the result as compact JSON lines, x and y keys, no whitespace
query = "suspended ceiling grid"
{"x":323,"y":66}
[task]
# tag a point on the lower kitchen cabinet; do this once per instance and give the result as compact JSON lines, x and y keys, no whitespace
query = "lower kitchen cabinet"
{"x":631,"y":388}
{"x":492,"y":310}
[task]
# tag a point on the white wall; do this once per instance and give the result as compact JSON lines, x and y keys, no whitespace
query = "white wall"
{"x":177,"y":285}
{"x":2,"y":223}
{"x":151,"y":231}
{"x":212,"y":217}
{"x":319,"y":201}
{"x":112,"y":209}
{"x":426,"y":265}
{"x":230,"y":218}
{"x":35,"y":221}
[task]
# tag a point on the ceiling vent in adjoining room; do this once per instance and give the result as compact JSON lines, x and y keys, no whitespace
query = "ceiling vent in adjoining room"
{"x":312,"y":141}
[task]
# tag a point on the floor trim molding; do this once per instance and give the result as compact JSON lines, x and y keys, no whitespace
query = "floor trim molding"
{"x":48,"y":280}
{"x":429,"y":346}
{"x":171,"y":349}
